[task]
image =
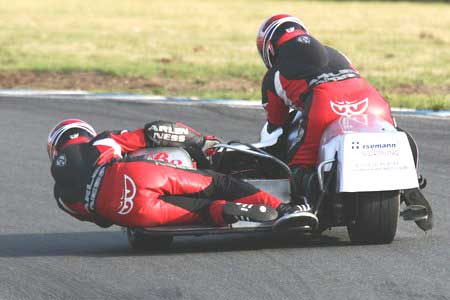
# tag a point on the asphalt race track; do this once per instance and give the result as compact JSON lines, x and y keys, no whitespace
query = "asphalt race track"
{"x":44,"y":254}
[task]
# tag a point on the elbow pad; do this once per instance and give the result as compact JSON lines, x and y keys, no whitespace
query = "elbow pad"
{"x":172,"y":134}
{"x":175,"y":134}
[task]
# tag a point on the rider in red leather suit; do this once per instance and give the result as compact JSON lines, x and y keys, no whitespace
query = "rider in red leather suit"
{"x":96,"y":182}
{"x":320,"y":81}
{"x":315,"y":79}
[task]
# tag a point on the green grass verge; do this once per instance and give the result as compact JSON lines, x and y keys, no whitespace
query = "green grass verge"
{"x":402,"y":48}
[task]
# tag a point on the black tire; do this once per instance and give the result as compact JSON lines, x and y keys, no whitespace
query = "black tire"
{"x":141,"y":242}
{"x":377,"y":215}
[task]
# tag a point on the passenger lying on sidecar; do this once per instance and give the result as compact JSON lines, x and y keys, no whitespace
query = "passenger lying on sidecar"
{"x":96,"y":180}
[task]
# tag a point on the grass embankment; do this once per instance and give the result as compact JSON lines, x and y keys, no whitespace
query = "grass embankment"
{"x":207,"y":48}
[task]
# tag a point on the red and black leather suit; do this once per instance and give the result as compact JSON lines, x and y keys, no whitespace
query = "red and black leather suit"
{"x":322,"y":83}
{"x":143,"y":192}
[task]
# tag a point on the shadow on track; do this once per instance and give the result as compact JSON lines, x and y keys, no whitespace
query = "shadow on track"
{"x":114,"y":243}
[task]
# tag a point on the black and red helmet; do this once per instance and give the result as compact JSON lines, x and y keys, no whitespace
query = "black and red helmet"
{"x":68,"y":132}
{"x":274,"y":32}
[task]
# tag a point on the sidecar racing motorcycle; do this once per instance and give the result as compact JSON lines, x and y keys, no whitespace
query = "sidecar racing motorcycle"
{"x":365,"y":165}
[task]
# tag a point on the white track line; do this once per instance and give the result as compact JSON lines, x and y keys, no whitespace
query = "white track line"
{"x":87,"y":96}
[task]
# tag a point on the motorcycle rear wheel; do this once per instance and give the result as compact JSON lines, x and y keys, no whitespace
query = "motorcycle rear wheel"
{"x":376,"y":219}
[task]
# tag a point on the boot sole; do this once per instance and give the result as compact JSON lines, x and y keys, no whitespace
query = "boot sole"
{"x":252,"y":212}
{"x":294,"y":220}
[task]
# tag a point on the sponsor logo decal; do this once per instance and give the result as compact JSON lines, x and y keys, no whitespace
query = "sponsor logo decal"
{"x":61,"y":160}
{"x":304,"y":39}
{"x":328,"y":77}
{"x":164,"y":157}
{"x":352,"y":123}
{"x":348,"y":108}
{"x":355,"y":145}
{"x":129,"y":192}
{"x":92,"y":188}
{"x":380,"y":149}
{"x":379,"y":146}
{"x":74,"y":136}
{"x":169,"y":133}
{"x":290,"y":29}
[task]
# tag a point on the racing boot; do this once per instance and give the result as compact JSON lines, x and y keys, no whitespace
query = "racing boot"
{"x":414,"y":197}
{"x":294,"y":216}
{"x":233,"y":212}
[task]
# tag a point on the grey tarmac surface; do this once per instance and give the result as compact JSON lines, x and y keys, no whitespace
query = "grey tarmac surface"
{"x":45,"y":254}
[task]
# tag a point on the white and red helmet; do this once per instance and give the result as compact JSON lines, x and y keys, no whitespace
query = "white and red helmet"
{"x":275,"y":31}
{"x":68,"y":132}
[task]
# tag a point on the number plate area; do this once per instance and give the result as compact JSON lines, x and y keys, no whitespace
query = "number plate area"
{"x":375,"y":162}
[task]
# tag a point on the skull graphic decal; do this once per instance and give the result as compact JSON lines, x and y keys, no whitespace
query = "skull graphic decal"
{"x":350,"y":108}
{"x":129,"y":192}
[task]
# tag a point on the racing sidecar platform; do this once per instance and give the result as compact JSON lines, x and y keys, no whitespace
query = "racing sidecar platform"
{"x":364,"y":170}
{"x":280,"y":188}
{"x":160,"y":237}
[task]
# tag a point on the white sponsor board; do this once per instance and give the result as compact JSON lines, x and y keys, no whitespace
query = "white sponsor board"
{"x":375,"y":162}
